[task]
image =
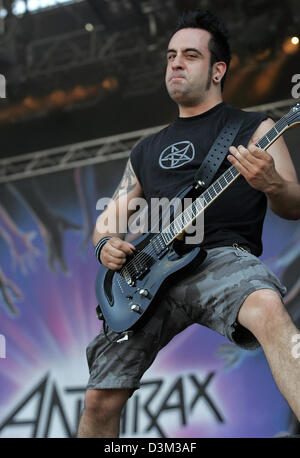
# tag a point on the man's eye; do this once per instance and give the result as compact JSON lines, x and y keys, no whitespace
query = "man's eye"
{"x":171,"y":56}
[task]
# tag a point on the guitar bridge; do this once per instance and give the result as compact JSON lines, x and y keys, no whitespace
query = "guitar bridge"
{"x":141,"y":272}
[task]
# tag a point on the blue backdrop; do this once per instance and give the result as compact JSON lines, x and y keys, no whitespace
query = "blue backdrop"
{"x":200,"y":385}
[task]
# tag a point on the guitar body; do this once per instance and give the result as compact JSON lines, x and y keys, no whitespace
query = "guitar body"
{"x":116,"y":299}
{"x":127,"y":299}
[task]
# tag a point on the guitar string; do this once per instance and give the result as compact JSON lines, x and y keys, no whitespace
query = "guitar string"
{"x":141,"y":256}
{"x":221,"y":181}
{"x":149,"y":250}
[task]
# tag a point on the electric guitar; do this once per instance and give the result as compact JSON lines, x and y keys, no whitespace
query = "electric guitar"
{"x":126,"y":297}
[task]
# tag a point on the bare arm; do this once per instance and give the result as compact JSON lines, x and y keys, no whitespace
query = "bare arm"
{"x":113,"y":220}
{"x":272,"y":172}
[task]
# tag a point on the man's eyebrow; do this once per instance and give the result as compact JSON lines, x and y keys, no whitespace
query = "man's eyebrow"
{"x":186,"y":50}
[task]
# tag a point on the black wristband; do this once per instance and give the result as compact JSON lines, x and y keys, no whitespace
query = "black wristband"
{"x":99,"y":247}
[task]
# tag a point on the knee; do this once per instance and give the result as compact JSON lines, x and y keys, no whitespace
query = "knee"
{"x":262,"y":312}
{"x":105,"y":403}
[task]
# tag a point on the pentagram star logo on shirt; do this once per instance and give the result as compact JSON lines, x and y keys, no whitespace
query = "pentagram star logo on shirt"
{"x":177,"y":155}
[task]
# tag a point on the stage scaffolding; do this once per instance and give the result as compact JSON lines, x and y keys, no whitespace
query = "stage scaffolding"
{"x":96,"y":151}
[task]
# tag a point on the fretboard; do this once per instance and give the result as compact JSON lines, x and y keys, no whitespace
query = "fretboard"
{"x":182,"y":221}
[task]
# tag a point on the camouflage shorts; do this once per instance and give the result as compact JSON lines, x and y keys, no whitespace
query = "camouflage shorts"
{"x":212,"y":296}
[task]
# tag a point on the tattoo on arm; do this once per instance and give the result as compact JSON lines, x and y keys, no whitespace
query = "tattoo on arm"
{"x":126,"y":184}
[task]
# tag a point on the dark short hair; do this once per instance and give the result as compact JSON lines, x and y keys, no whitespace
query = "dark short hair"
{"x":219,"y":43}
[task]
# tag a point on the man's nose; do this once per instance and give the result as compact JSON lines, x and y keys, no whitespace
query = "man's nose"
{"x":177,"y":62}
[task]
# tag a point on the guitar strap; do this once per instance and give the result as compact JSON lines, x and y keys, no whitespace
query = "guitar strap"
{"x":219,"y":150}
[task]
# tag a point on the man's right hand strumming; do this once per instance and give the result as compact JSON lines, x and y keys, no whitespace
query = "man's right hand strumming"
{"x":114,"y":252}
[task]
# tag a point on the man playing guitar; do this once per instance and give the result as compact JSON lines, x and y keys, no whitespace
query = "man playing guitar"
{"x":232,"y":292}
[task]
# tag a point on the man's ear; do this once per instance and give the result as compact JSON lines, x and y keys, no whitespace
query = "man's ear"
{"x":219,"y":69}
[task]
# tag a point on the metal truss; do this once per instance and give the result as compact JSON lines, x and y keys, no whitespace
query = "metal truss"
{"x":71,"y":156}
{"x":79,"y":48}
{"x":111,"y":47}
{"x":116,"y":52}
{"x":96,"y":151}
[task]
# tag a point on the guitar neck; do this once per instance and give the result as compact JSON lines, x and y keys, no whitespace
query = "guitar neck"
{"x":181,"y":222}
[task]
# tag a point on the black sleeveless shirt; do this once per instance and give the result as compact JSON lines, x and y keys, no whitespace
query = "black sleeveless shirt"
{"x":166,"y":162}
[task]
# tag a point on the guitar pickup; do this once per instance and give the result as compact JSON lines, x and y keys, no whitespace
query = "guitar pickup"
{"x":159,"y":246}
{"x":162,"y":253}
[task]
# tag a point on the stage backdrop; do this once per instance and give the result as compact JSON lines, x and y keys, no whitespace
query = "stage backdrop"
{"x":199,"y":386}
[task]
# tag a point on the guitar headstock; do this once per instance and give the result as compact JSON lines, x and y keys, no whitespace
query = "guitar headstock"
{"x":293,"y":116}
